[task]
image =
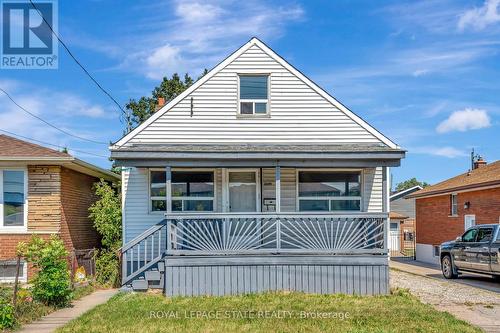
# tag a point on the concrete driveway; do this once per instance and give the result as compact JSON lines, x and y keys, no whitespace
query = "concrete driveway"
{"x":485,"y":282}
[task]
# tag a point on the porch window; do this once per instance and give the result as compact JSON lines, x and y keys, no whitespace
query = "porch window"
{"x":253,"y":94}
{"x":329,"y":191}
{"x":191,"y":191}
{"x":12,"y":199}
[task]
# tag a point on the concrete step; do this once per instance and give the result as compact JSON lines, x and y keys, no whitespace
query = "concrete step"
{"x":140,"y":285}
{"x":152,"y":275}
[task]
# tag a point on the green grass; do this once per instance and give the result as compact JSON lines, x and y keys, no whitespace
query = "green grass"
{"x":133,"y":312}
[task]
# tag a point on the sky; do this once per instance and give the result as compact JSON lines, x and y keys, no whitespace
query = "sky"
{"x":424,"y":73}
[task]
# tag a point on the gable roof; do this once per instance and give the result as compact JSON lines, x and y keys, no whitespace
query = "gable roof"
{"x":403,"y":193}
{"x":13,"y":150}
{"x":488,"y":175}
{"x":255,"y":41}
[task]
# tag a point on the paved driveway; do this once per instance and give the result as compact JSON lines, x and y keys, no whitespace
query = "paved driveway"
{"x":472,"y":298}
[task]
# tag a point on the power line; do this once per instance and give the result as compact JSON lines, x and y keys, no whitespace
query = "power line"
{"x":51,"y":144}
{"x":124,"y":113}
{"x":49,"y":124}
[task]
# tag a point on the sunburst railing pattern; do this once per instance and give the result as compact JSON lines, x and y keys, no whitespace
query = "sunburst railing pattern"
{"x":222,"y":234}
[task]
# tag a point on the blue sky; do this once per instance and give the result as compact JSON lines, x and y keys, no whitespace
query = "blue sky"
{"x":425,"y":73}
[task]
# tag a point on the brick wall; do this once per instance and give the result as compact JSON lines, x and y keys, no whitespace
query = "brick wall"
{"x":434,"y":225}
{"x":8,"y":244}
{"x":77,"y":230}
{"x":44,"y":198}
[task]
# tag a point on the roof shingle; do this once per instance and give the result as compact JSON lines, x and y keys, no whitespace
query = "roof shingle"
{"x":484,"y":176}
{"x":12,"y":147}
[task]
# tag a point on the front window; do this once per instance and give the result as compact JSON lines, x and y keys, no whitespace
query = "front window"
{"x":191,"y":191}
{"x":254,"y":94}
{"x":485,"y":235}
{"x":453,"y":205}
{"x":13,"y":199}
{"x":329,"y":191}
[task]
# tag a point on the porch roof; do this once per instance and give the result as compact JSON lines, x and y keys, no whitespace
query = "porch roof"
{"x":258,"y":154}
{"x":263,"y":155}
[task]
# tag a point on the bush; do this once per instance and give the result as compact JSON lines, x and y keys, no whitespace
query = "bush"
{"x":107,"y":268}
{"x":107,"y":218}
{"x":52,"y":283}
{"x":7,"y":318}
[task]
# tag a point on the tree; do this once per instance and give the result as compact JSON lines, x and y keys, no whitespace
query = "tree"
{"x":107,"y":217}
{"x":409,"y":184}
{"x":144,"y":107}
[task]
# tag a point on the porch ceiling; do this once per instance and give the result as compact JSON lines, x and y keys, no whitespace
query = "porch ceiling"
{"x":263,"y":155}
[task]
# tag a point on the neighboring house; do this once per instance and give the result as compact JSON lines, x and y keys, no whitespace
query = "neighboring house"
{"x":402,"y":227}
{"x":445,"y":210}
{"x":255,"y":179}
{"x":43,"y":192}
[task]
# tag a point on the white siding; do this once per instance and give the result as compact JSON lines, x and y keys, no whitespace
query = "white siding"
{"x":298,"y":114}
{"x":137,"y":217}
{"x":372,"y":193}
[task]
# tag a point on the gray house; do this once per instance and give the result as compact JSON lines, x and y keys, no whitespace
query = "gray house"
{"x":255,"y":179}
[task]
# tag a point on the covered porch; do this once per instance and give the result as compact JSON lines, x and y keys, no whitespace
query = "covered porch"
{"x":254,"y":218}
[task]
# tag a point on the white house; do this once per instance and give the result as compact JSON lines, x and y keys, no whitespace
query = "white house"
{"x":255,"y":179}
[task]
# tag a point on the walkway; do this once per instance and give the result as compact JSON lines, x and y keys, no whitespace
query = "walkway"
{"x":59,"y":318}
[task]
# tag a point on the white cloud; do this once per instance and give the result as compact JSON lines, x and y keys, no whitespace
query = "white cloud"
{"x":198,"y":36}
{"x":464,"y":120}
{"x":480,"y":18}
{"x":65,"y":110}
{"x":446,"y":151}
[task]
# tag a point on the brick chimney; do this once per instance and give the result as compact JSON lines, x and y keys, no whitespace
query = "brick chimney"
{"x":160,"y":103}
{"x":479,"y":163}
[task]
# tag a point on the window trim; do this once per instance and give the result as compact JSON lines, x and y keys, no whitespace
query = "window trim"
{"x":161,"y":212}
{"x":453,"y":195}
{"x":14,"y":229}
{"x":361,"y":188}
{"x":267,"y":101}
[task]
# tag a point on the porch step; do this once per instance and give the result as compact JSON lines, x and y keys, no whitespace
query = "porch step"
{"x":140,"y":284}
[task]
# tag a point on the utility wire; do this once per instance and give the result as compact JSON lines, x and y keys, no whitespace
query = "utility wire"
{"x":51,"y":144}
{"x":124,"y":113}
{"x":49,"y":124}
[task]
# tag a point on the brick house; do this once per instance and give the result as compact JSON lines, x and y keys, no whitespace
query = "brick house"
{"x":44,"y":192}
{"x":445,"y":210}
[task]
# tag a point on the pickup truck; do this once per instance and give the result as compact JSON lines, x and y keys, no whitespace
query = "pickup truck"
{"x":477,"y":250}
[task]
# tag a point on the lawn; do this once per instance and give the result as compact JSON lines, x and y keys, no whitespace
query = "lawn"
{"x":269,"y":312}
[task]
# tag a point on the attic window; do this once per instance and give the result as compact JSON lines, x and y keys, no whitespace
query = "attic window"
{"x":253,"y":94}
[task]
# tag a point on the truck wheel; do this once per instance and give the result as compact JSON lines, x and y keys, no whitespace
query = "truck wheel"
{"x":447,"y":268}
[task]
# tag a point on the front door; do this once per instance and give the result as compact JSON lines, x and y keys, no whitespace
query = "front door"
{"x":243,"y":190}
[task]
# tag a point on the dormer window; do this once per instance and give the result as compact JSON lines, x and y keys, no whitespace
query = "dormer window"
{"x":254,"y":94}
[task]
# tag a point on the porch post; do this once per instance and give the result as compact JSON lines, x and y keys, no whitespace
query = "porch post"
{"x":386,"y":205}
{"x":168,"y":171}
{"x":278,"y":189}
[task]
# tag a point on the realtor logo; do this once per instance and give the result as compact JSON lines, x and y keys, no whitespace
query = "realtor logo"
{"x":27,"y":39}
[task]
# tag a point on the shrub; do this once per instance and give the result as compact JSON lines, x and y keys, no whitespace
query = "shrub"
{"x":7,"y":318}
{"x":107,"y":268}
{"x":52,"y":284}
{"x":107,"y":217}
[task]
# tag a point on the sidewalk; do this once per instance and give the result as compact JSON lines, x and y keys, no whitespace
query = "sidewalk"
{"x":59,"y":318}
{"x":433,"y":271}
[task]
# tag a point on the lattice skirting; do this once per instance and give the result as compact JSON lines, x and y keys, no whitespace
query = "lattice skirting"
{"x":361,"y":275}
